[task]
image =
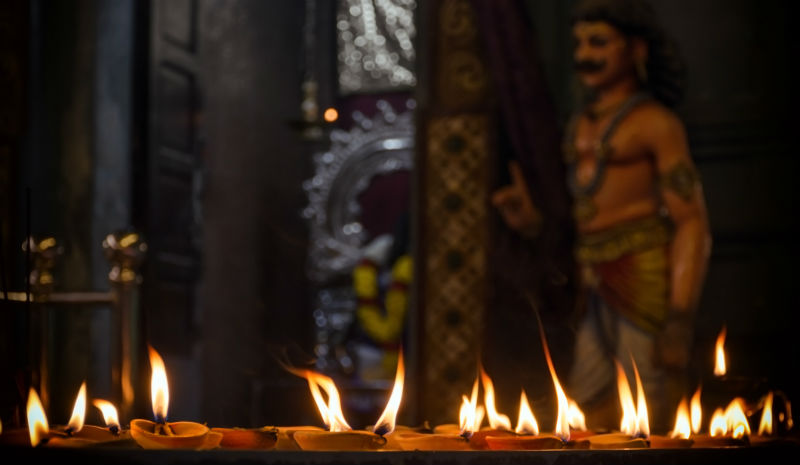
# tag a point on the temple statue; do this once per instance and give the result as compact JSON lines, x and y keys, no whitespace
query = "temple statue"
{"x":642,"y":235}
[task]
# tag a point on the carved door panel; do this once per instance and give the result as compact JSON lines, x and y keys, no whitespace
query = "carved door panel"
{"x":170,"y":172}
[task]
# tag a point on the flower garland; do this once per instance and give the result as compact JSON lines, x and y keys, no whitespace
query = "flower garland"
{"x":383,"y":323}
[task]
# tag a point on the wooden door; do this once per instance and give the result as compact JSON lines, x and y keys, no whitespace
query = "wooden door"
{"x":169,"y":171}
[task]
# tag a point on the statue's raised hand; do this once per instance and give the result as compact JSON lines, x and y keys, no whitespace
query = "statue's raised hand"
{"x":515,"y":205}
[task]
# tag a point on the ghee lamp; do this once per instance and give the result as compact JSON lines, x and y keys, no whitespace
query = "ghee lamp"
{"x":449,"y":436}
{"x":727,"y":427}
{"x":526,"y":433}
{"x":161,"y":434}
{"x":340,"y":436}
{"x":680,"y":437}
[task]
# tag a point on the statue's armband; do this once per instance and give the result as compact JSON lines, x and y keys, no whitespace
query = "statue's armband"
{"x":682,"y":179}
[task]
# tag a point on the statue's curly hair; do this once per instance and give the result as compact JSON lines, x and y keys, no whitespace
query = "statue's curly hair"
{"x":666,"y":72}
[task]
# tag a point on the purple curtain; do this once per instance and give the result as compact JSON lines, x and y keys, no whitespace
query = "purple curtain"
{"x":540,"y":271}
{"x":526,"y":107}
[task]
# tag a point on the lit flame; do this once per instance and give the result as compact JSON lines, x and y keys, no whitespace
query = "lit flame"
{"x":642,"y":420}
{"x":628,"y":423}
{"x":719,"y":424}
{"x":765,"y":426}
{"x":496,"y":420}
{"x":720,"y":367}
{"x":78,"y":411}
{"x":526,"y":423}
{"x":470,"y":416}
{"x":109,"y":412}
{"x":562,"y":420}
{"x":386,"y":422}
{"x":330,"y":411}
{"x":37,"y":420}
{"x":159,"y":388}
{"x":788,"y":406}
{"x":575,"y":417}
{"x":330,"y":115}
{"x":682,"y":427}
{"x":697,"y":411}
{"x":736,"y":419}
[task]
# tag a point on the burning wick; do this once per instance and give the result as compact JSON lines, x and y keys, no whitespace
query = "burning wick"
{"x":496,"y":419}
{"x":720,"y":367}
{"x":109,"y":415}
{"x":696,"y":411}
{"x":159,"y":393}
{"x":386,"y":422}
{"x":526,"y":422}
{"x":635,"y":420}
{"x":471,"y":414}
{"x":562,"y":420}
{"x":37,"y":420}
{"x":78,"y":412}
{"x":765,"y":425}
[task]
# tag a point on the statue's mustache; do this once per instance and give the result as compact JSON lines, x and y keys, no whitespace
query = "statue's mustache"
{"x":589,"y":66}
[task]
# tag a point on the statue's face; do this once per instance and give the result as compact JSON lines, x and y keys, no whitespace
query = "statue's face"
{"x":602,"y":55}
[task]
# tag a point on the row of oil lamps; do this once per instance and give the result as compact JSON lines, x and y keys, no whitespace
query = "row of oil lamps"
{"x":728,"y":427}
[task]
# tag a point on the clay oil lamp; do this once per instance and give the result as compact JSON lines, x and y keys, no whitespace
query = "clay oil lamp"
{"x":577,"y":422}
{"x":340,"y":436}
{"x":679,"y":438}
{"x":74,"y":434}
{"x":77,"y":433}
{"x":527,"y":433}
{"x":247,"y":438}
{"x":113,"y":430}
{"x":161,"y":434}
{"x":449,"y":436}
{"x":499,"y":424}
{"x":728,"y":428}
{"x":770,"y":423}
{"x":38,"y":433}
{"x":635,"y":425}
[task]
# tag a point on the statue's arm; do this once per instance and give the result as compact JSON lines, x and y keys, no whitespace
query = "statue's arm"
{"x":682,"y":194}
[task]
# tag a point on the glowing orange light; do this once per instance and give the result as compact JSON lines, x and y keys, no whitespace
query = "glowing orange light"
{"x":719,"y":424}
{"x":387,"y":420}
{"x":628,"y":425}
{"x":697,"y":411}
{"x":330,"y":411}
{"x":682,"y":428}
{"x":720,"y":367}
{"x":526,"y":422}
{"x":765,"y":425}
{"x":109,"y":412}
{"x":470,"y":415}
{"x":562,"y":420}
{"x":159,"y":388}
{"x":736,"y":419}
{"x":37,"y":420}
{"x":496,"y":420}
{"x":642,"y":419}
{"x":575,"y":417}
{"x":330,"y":115}
{"x":78,"y":411}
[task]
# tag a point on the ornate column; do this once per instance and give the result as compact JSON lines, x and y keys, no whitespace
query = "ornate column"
{"x":455,"y":163}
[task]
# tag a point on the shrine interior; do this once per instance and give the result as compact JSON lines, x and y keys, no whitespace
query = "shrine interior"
{"x":260,"y":173}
